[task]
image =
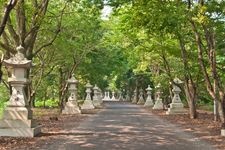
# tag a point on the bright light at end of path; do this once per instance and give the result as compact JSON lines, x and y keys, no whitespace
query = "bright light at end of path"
{"x":106,"y":11}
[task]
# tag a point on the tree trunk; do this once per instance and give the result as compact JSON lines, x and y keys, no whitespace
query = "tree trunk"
{"x":190,"y":86}
{"x":60,"y":88}
{"x":32,"y":99}
{"x":191,"y":95}
{"x":221,"y":113}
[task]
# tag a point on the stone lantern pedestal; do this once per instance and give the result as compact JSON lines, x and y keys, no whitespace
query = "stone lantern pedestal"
{"x":71,"y":106}
{"x":134,"y":100}
{"x":17,"y":119}
{"x":96,"y":97}
{"x":158,"y":103}
{"x":176,"y":107}
{"x":88,"y":104}
{"x":141,"y":100}
{"x":149,"y":102}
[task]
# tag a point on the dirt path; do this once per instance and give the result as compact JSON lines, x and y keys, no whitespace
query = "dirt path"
{"x":123,"y":126}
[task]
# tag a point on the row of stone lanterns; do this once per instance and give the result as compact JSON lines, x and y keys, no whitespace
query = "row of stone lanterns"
{"x":17,"y":118}
{"x":72,"y":107}
{"x":176,"y":107}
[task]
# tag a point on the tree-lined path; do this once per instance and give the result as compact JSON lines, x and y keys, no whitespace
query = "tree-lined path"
{"x":125,"y":126}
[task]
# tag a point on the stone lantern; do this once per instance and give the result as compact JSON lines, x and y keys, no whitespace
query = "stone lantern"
{"x":158,"y":103}
{"x":141,"y":100}
{"x":107,"y":95}
{"x":149,"y":101}
{"x":71,"y":106}
{"x":120,"y":96}
{"x":17,"y":120}
{"x":100,"y":96}
{"x":134,"y":101}
{"x":127,"y":99}
{"x":88,"y":104}
{"x":176,"y":107}
{"x":96,"y":97}
{"x":113,"y":96}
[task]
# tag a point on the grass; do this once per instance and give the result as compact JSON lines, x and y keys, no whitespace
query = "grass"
{"x":50,"y":103}
{"x":43,"y":112}
{"x":206,"y":107}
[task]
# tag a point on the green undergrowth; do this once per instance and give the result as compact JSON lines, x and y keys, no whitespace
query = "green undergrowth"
{"x":49,"y":103}
{"x":2,"y":106}
{"x":80,"y":102}
{"x":45,"y":112}
{"x":206,"y":107}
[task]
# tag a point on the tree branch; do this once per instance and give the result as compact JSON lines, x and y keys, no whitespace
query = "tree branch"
{"x":54,"y":37}
{"x":11,"y":4}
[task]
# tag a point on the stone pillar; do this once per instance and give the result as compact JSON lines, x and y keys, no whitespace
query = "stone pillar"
{"x":141,"y":100}
{"x":96,"y":98}
{"x":134,"y":100}
{"x":149,"y":101}
{"x":88,"y":104}
{"x":158,"y":103}
{"x":71,"y":106}
{"x":17,"y":119}
{"x":176,"y":107}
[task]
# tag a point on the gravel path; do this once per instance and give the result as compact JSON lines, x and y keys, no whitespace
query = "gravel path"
{"x":124,"y":126}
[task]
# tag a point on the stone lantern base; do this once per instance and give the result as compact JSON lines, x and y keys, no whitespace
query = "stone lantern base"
{"x":158,"y":104}
{"x":71,"y":109}
{"x":18,"y":122}
{"x":134,"y":101}
{"x":148,"y":103}
{"x":141,"y":102}
{"x":87,"y":105}
{"x":97,"y":103}
{"x":176,"y":108}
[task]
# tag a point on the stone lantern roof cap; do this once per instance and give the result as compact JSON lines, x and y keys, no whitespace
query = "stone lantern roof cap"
{"x":72,"y":80}
{"x":158,"y":86}
{"x":95,"y":88}
{"x":88,"y":85}
{"x":177,"y":81}
{"x":149,"y":88}
{"x":18,"y":60}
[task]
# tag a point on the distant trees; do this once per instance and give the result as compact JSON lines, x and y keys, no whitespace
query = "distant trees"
{"x":176,"y":38}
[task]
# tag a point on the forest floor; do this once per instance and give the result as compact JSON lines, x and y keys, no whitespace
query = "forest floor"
{"x":52,"y":122}
{"x":203,"y":128}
